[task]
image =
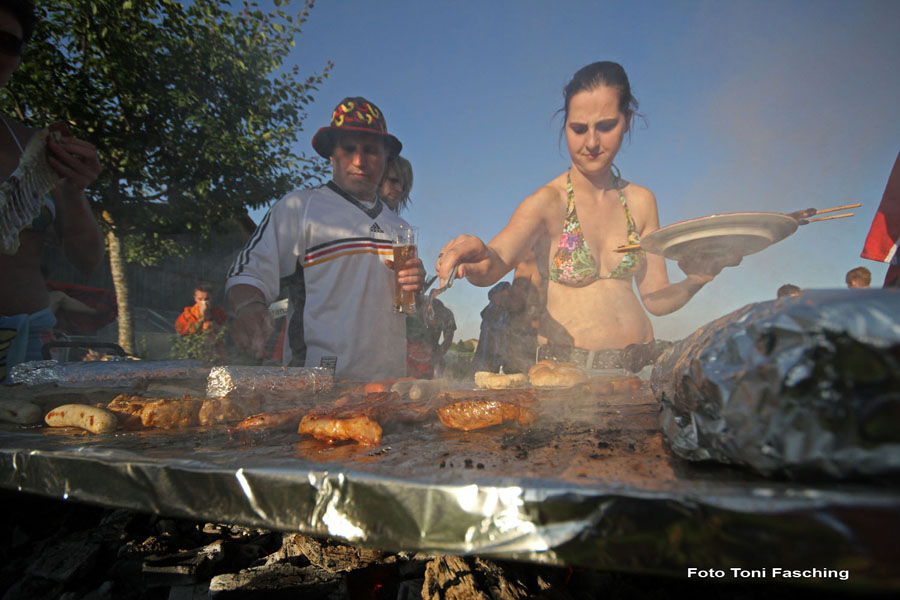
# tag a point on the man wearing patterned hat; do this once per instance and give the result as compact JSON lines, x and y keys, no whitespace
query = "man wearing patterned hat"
{"x":327,"y":246}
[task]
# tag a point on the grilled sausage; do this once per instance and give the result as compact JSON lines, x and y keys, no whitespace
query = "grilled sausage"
{"x":17,"y":411}
{"x":90,"y":418}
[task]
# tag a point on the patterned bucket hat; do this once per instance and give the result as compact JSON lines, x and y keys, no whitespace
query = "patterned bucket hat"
{"x":354,"y":114}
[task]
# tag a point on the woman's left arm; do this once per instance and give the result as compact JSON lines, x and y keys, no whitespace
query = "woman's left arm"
{"x":658,"y":295}
{"x":76,"y":161}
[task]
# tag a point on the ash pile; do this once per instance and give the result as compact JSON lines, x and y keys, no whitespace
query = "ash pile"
{"x":803,"y":386}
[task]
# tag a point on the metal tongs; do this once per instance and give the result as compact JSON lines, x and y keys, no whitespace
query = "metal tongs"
{"x":803,"y":216}
{"x":429,"y":300}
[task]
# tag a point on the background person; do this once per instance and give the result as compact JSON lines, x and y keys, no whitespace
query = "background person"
{"x":524,"y":317}
{"x":860,"y":277}
{"x":394,"y":192}
{"x":65,"y":217}
{"x":397,"y":184}
{"x":579,"y":219}
{"x":441,"y":329}
{"x":489,"y":353}
{"x":788,"y":289}
{"x":427,"y":340}
{"x":202,"y":315}
{"x":328,"y":243}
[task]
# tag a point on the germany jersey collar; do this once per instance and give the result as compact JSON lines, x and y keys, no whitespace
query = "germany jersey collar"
{"x":372,"y":212}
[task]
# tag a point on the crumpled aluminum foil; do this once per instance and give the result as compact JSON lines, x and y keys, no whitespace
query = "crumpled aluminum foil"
{"x":250,"y":379}
{"x":803,"y":385}
{"x":107,"y":374}
{"x":592,"y":487}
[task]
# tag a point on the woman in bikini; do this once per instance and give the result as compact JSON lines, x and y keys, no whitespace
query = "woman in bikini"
{"x":65,"y":218}
{"x":576,"y":222}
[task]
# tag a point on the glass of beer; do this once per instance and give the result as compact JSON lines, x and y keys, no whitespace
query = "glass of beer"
{"x":404,"y":249}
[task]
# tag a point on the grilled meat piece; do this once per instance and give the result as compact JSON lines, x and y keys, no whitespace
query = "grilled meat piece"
{"x":171,"y":414}
{"x":227,"y":409}
{"x":281,"y":419}
{"x":128,"y":410}
{"x":331,"y":429}
{"x":359,"y":418}
{"x":478,"y":410}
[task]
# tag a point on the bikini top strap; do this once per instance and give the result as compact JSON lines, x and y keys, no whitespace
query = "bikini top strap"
{"x":570,"y":191}
{"x":12,"y":133}
{"x":617,"y":176}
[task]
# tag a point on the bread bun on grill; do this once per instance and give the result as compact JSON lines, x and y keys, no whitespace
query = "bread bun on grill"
{"x":499,"y":381}
{"x":548,"y":373}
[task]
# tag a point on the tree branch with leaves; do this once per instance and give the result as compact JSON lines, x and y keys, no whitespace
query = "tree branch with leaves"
{"x":189,"y":106}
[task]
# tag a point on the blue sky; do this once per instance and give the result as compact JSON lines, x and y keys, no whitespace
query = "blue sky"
{"x":760,"y":106}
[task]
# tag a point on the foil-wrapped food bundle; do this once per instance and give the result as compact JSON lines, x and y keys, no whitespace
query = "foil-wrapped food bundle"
{"x":245,"y":380}
{"x":806,"y":385}
{"x":107,"y":374}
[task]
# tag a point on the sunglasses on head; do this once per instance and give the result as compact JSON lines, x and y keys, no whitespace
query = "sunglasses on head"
{"x":11,"y":44}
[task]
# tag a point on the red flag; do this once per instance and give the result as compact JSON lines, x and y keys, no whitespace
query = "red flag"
{"x":884,"y":234}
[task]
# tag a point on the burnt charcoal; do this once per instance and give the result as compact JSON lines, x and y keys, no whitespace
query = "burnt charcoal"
{"x":185,"y":567}
{"x":64,"y":560}
{"x":375,"y":582}
{"x":411,"y":589}
{"x":106,"y":591}
{"x":291,"y":551}
{"x":216,"y":529}
{"x":277,"y":581}
{"x":34,"y":588}
{"x":198,"y":591}
{"x":453,"y":577}
{"x":335,"y":556}
{"x":121,"y":525}
{"x":151,"y":545}
{"x":167,"y":527}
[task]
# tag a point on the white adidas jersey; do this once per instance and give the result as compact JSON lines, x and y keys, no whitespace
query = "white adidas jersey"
{"x":324,"y":241}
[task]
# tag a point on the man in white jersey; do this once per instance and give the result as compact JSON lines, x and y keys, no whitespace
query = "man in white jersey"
{"x":328,"y":246}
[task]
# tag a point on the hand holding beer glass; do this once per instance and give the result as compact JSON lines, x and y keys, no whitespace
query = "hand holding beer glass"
{"x":404,"y":242}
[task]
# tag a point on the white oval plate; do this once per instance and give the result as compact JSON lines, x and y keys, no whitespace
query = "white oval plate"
{"x":720,"y":235}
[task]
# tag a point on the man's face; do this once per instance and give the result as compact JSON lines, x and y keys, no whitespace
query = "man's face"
{"x":358,"y":162}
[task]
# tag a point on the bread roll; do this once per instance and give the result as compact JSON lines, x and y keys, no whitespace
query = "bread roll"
{"x":499,"y":381}
{"x":548,"y":373}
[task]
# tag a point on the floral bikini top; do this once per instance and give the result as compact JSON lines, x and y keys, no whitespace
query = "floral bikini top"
{"x":573,"y":263}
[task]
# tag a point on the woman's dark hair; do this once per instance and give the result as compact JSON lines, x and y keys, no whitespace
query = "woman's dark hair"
{"x":594,"y":75}
{"x":23,"y":11}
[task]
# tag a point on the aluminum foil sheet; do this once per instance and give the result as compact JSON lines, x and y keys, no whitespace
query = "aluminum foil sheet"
{"x":249,"y":380}
{"x":803,"y":386}
{"x":594,"y":486}
{"x":107,"y":374}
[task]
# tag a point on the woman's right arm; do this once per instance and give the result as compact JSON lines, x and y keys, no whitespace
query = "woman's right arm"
{"x":484,"y":264}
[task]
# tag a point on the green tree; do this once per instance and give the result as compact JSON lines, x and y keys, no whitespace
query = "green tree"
{"x":188,"y":106}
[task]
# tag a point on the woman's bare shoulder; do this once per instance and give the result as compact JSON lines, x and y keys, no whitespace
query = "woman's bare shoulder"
{"x":545,"y":196}
{"x":642,"y":205}
{"x":638,"y":194}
